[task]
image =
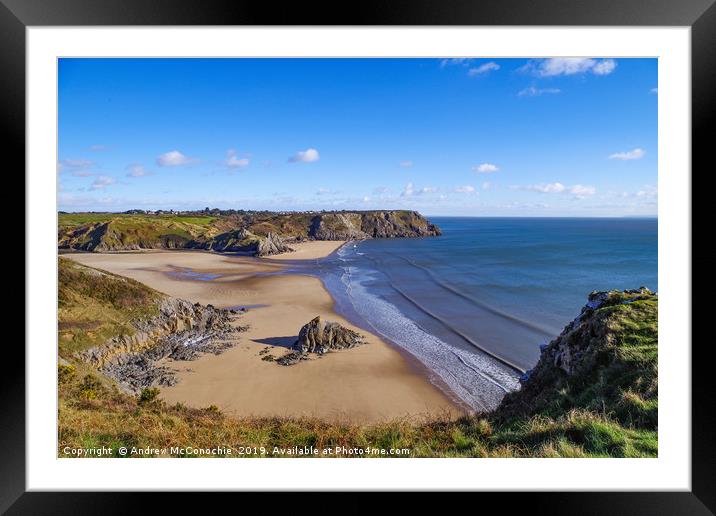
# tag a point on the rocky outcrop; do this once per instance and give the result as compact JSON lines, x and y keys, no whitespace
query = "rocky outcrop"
{"x":256,"y":233}
{"x":272,"y":244}
{"x":397,"y":224}
{"x":320,"y":337}
{"x":373,"y":224}
{"x":337,"y":226}
{"x":181,"y":331}
{"x":244,"y":241}
{"x":594,"y":357}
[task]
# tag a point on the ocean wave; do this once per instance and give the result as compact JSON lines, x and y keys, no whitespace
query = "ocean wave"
{"x":546,"y":332}
{"x":475,"y":377}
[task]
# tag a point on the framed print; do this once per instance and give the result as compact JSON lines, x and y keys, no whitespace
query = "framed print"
{"x":447,"y":239}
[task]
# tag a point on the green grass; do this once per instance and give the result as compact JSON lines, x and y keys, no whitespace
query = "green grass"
{"x":618,"y":376}
{"x":105,"y":417}
{"x":66,"y":220}
{"x":94,"y":306}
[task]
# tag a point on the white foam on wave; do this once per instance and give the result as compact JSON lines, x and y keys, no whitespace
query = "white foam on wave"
{"x":474,"y":377}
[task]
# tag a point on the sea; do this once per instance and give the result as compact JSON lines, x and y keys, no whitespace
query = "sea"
{"x":472,"y":307}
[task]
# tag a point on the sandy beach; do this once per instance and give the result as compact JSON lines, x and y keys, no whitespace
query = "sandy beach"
{"x":370,"y":383}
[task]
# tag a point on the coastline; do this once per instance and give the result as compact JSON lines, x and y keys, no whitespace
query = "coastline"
{"x":372,"y":383}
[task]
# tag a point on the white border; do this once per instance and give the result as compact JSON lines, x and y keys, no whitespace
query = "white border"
{"x":671,"y":471}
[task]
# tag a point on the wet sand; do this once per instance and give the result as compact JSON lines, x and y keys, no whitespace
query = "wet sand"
{"x":370,"y":383}
{"x":309,"y":250}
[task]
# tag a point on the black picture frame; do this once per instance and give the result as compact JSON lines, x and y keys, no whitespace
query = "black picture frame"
{"x":700,"y":15}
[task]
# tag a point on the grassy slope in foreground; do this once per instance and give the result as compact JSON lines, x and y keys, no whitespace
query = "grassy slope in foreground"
{"x":592,"y":394}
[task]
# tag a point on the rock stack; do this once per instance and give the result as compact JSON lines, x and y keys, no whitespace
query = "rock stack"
{"x":320,"y":337}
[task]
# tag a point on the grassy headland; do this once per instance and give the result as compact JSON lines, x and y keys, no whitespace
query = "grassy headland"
{"x":592,"y":394}
{"x":260,"y":233}
{"x":95,"y":305}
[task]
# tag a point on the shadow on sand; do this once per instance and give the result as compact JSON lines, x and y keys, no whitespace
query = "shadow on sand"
{"x":284,"y":342}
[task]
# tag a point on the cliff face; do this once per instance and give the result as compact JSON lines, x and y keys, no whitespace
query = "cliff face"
{"x":123,"y":328}
{"x":177,"y":318}
{"x":374,"y":224}
{"x":181,"y":331}
{"x":244,"y":241}
{"x":604,"y":361}
{"x":257,"y":233}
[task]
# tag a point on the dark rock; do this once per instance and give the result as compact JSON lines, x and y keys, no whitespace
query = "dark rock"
{"x":320,"y":337}
{"x":291,"y":358}
{"x":397,"y":224}
{"x":337,"y":226}
{"x":272,"y":244}
{"x":373,"y":224}
{"x":181,"y":331}
{"x":244,"y":241}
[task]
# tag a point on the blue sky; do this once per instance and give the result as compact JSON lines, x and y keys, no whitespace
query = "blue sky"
{"x":493,"y":137}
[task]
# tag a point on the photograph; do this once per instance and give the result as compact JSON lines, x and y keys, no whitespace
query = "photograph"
{"x":357,"y":257}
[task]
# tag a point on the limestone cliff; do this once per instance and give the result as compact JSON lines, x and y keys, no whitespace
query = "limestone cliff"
{"x":604,"y":361}
{"x":256,"y":233}
{"x":181,"y":331}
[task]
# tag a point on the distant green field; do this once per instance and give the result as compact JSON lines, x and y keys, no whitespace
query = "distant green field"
{"x":77,"y":219}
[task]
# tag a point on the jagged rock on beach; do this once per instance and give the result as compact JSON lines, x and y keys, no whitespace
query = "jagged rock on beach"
{"x":320,"y":337}
{"x":181,"y":331}
{"x":294,"y":357}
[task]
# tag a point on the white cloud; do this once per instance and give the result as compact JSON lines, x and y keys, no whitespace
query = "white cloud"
{"x":655,"y":91}
{"x":101,"y":182}
{"x":136,"y":170}
{"x":570,"y":66}
{"x":406,"y":164}
{"x":579,"y":191}
{"x":483,"y":68}
{"x":172,"y":159}
{"x":536,"y":92}
{"x":582,"y":191}
{"x":322,"y":191}
{"x":628,"y":155}
{"x":647,"y":192}
{"x":604,"y":67}
{"x":233,"y":160}
{"x":543,"y":188}
{"x":306,"y":156}
{"x":487,"y":185}
{"x":411,"y":190}
{"x":82,"y":173}
{"x":462,"y":61}
{"x":366,"y":199}
{"x":465,"y":189}
{"x":485,"y":168}
{"x":75,"y":164}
